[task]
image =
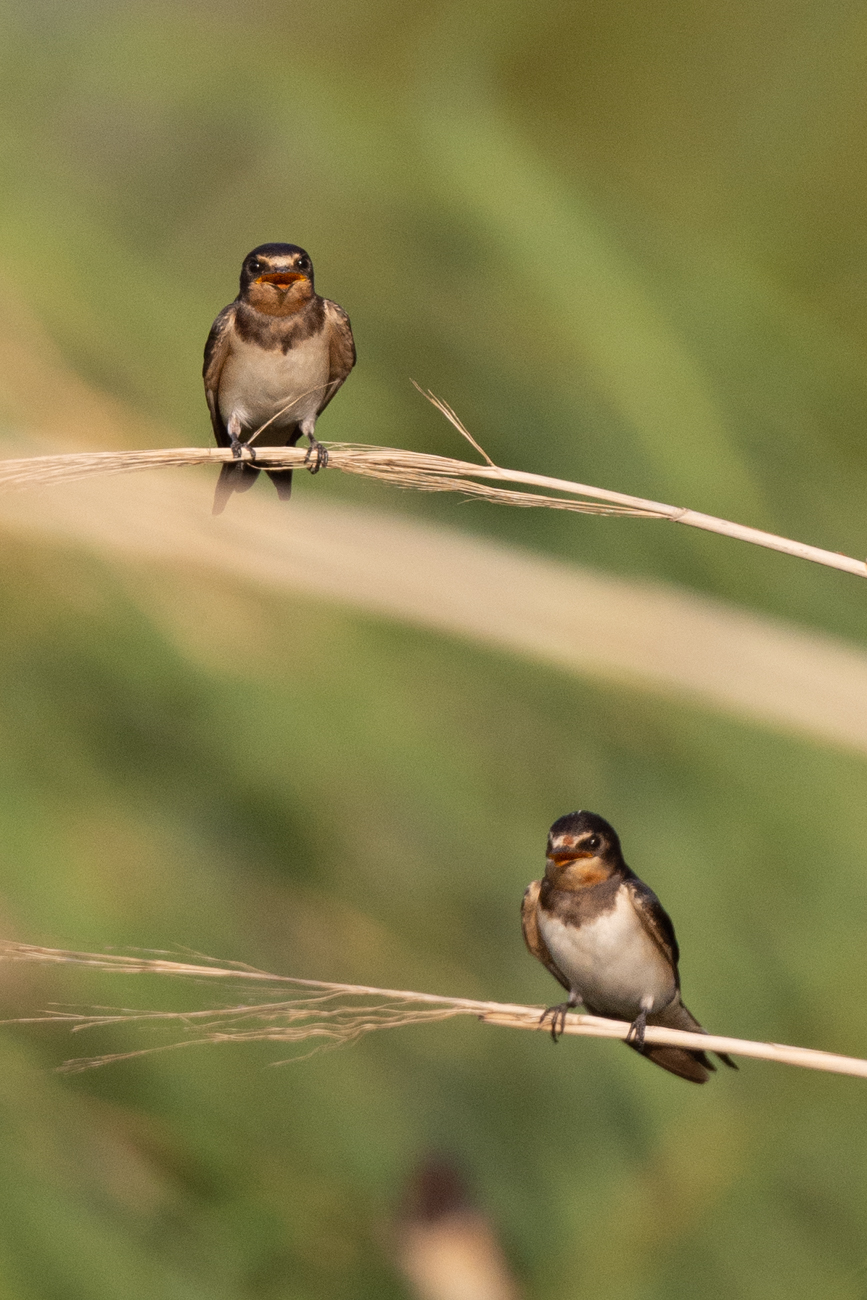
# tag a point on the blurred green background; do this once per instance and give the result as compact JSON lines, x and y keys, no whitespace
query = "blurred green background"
{"x":628,"y":244}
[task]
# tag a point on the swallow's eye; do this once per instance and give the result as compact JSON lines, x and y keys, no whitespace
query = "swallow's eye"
{"x":255,"y":266}
{"x":304,"y":263}
{"x":594,"y":842}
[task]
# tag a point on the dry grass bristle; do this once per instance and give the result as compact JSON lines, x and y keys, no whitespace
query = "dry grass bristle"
{"x":453,"y":418}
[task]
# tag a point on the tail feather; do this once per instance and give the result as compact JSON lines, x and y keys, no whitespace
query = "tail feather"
{"x":282,"y":480}
{"x":234,"y":477}
{"x":684,"y":1019}
{"x":693,"y":1065}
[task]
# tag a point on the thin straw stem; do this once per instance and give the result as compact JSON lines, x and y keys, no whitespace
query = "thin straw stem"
{"x":425,"y":473}
{"x":341,"y":1013}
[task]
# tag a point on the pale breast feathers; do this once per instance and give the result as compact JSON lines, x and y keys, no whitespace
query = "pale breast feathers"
{"x":611,"y":960}
{"x":286,"y":388}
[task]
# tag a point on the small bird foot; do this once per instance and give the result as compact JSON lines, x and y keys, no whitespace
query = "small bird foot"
{"x":239,"y":447}
{"x":558,"y":1016}
{"x":316,"y":449}
{"x":635,"y":1037}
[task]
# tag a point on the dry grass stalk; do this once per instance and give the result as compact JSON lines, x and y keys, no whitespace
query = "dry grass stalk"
{"x":332,"y":1014}
{"x":402,"y":468}
{"x":424,"y":473}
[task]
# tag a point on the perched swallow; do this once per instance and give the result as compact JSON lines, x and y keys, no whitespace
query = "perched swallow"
{"x":606,"y":937}
{"x":274,"y":359}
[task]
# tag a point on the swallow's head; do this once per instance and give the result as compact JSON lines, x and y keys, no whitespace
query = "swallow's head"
{"x":582,"y":850}
{"x":277,"y":279}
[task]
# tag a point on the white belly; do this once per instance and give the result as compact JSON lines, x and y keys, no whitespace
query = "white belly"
{"x":287,"y":388}
{"x":611,"y":962}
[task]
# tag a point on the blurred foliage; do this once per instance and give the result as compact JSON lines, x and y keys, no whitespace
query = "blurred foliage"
{"x":628,"y":244}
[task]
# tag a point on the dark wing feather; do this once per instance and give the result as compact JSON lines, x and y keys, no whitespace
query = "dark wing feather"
{"x":216,"y":351}
{"x":655,"y":920}
{"x":532,"y":936}
{"x":679,"y":1060}
{"x":341,"y":349}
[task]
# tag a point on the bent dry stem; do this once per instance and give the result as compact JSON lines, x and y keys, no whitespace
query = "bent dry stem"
{"x":423,"y":473}
{"x":330,"y":1014}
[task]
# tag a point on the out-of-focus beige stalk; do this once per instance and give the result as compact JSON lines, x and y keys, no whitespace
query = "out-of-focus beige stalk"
{"x":445,"y":1245}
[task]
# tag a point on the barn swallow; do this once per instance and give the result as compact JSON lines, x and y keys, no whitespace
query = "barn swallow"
{"x":274,"y":359}
{"x":606,"y":937}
